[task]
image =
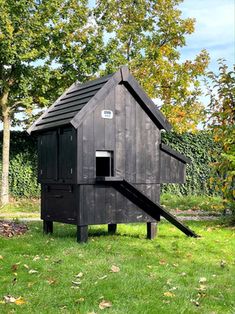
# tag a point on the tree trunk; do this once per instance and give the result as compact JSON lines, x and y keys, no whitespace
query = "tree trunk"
{"x":5,"y":150}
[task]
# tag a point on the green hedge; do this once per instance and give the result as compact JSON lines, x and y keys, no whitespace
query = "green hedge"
{"x":23,"y":163}
{"x":198,"y":148}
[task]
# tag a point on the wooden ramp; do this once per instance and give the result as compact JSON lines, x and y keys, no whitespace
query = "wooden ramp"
{"x":142,"y":201}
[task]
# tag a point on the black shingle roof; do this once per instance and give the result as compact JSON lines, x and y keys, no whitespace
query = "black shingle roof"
{"x":66,"y":110}
{"x":67,"y":106}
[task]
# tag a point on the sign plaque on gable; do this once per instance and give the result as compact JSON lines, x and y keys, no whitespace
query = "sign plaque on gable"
{"x":107,"y":114}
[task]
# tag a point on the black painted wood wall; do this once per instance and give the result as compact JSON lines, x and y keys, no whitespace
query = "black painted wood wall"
{"x":134,"y":140}
{"x":131,"y":135}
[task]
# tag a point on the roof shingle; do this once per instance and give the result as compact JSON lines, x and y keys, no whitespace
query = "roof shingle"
{"x":70,"y":104}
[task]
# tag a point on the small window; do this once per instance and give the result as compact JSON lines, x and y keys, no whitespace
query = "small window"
{"x":104,"y":164}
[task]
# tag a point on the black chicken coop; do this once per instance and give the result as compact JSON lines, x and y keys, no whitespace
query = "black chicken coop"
{"x":101,"y":160}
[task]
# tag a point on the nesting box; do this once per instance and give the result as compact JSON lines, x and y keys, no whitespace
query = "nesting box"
{"x":100,"y":157}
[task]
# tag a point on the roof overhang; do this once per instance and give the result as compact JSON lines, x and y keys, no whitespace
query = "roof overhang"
{"x":122,"y":76}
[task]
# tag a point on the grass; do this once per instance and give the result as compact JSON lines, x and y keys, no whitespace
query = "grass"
{"x":192,"y":202}
{"x":21,"y":208}
{"x":159,"y":276}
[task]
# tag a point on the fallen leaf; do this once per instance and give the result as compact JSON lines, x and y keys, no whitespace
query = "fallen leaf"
{"x":175,"y":265}
{"x":202,"y":280}
{"x":36,"y":258}
{"x":222,"y":263}
{"x":80,"y":300}
{"x":79,"y":275}
{"x":201,"y":288}
{"x":30,"y":284}
{"x":201,"y":295}
{"x":20,"y":301}
{"x":195,"y":302}
{"x":183,"y":274}
{"x":115,"y":269}
{"x":103,"y":277}
{"x":9,"y":299}
{"x":57,"y":261}
{"x":76,"y":283}
{"x":105,"y":304}
{"x":162,"y":262}
{"x":26,"y":266}
{"x":33,"y":271}
{"x":51,"y":281}
{"x":169,"y":294}
{"x":11,"y":228}
{"x":14,"y":267}
{"x":1,"y":257}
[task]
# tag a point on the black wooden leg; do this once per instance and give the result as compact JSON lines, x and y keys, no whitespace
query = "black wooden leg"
{"x":82,"y":234}
{"x":47,"y":226}
{"x":112,"y":228}
{"x":151,"y":230}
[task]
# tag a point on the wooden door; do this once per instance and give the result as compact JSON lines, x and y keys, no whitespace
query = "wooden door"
{"x":47,"y":165}
{"x":67,"y":155}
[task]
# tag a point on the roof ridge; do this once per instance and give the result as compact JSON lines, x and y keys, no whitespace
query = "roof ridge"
{"x":88,"y":94}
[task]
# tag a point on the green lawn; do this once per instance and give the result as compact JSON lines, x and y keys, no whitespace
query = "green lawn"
{"x":192,"y":202}
{"x":22,"y":208}
{"x":171,"y":274}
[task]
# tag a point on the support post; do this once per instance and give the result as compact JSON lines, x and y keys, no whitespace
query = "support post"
{"x":82,"y":234}
{"x":112,"y":228}
{"x":151,"y":230}
{"x":47,"y":226}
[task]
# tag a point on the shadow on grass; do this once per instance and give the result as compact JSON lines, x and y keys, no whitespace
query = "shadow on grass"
{"x":65,"y":231}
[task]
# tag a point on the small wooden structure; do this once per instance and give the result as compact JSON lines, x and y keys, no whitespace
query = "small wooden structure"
{"x":101,"y":160}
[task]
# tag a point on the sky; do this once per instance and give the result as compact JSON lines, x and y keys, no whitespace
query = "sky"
{"x":214,"y":30}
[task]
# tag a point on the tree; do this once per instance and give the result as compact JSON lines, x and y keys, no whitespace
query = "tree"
{"x":221,"y":119}
{"x":147,"y":36}
{"x":44,"y":46}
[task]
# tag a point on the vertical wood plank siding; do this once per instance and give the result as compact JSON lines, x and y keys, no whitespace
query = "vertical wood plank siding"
{"x":131,"y":135}
{"x":100,"y":205}
{"x":134,"y":140}
{"x":172,"y":169}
